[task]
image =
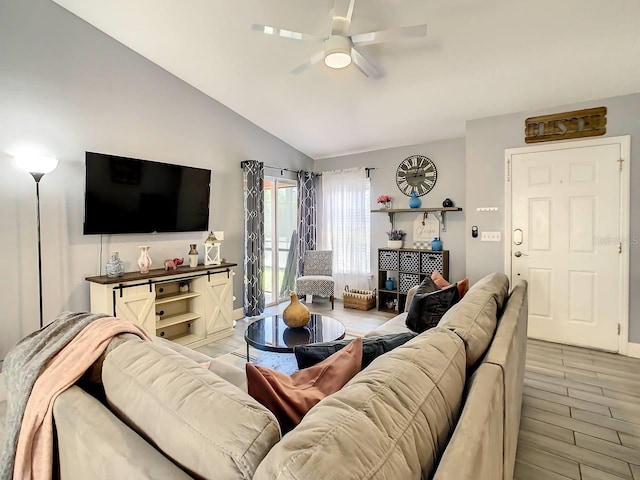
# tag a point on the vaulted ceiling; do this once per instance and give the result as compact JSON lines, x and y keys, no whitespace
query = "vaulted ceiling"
{"x":480,"y":58}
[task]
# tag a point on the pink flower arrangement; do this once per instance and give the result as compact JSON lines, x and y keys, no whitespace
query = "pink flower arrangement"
{"x":383,"y":199}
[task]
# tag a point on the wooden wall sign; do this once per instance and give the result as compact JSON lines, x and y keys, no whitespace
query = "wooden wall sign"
{"x":590,"y":122}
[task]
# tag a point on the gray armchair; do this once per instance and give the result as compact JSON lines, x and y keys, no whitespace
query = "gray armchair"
{"x":316,"y":276}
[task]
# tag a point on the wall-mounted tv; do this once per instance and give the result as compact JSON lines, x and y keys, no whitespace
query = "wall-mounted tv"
{"x":128,"y":195}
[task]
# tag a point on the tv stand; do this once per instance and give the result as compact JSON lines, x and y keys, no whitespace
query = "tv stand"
{"x":190,"y":306}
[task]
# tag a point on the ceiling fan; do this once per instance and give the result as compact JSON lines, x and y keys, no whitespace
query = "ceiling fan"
{"x":339,"y":47}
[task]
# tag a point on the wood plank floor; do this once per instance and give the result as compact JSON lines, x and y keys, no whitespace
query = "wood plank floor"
{"x":581,"y":407}
{"x":580,"y":415}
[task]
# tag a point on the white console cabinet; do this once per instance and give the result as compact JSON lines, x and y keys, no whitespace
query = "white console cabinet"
{"x":190,"y":306}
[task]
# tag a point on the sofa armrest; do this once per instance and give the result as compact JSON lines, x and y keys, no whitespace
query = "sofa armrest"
{"x":412,"y":291}
{"x":476,"y":447}
{"x":94,"y":443}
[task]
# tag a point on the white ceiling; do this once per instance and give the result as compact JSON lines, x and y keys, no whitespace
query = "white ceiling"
{"x":480,"y":58}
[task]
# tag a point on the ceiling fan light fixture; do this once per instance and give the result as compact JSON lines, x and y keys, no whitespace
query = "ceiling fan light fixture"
{"x":337,"y":53}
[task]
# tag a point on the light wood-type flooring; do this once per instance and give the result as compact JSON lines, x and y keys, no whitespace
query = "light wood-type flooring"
{"x":581,"y":407}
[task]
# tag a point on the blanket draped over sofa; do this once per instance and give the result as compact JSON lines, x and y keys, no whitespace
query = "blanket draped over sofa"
{"x":37,"y":370}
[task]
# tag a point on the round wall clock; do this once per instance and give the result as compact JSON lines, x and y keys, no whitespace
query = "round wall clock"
{"x":418,"y":173}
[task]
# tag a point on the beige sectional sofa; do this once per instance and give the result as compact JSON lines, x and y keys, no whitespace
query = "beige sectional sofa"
{"x":445,"y":405}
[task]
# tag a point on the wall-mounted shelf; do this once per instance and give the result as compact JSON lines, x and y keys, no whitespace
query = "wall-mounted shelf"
{"x":439,"y":213}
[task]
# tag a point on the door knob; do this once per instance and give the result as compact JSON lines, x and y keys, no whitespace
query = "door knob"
{"x":520,"y":254}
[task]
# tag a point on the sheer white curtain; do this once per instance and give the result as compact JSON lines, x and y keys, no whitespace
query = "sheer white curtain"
{"x":346,"y":228}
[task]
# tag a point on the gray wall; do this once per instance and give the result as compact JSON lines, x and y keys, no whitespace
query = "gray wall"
{"x":449,"y":157}
{"x":67,"y":87}
{"x":486,"y":141}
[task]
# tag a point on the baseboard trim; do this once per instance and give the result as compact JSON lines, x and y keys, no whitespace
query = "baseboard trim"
{"x":238,"y":314}
{"x":633,"y":350}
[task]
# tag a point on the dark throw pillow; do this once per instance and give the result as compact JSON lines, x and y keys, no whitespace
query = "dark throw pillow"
{"x":372,"y":347}
{"x":427,"y":309}
{"x":427,"y":286}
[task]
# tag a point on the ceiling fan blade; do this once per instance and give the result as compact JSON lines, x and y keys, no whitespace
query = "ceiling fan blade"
{"x":389,"y":35}
{"x":343,"y":8}
{"x":308,"y":63}
{"x":281,"y":32}
{"x":364,"y":65}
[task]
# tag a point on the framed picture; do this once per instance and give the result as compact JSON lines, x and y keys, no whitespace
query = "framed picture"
{"x":425,"y":228}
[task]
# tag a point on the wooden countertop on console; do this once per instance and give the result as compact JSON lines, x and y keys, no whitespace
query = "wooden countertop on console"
{"x":156,"y":273}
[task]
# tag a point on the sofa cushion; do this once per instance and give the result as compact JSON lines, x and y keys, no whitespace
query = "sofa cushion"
{"x":474,"y":319}
{"x":230,"y":373}
{"x":392,"y":420}
{"x":427,"y":309}
{"x":395,"y":325}
{"x":290,"y":397}
{"x":372,"y":347}
{"x":209,"y":427}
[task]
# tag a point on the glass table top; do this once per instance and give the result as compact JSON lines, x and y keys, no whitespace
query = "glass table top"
{"x":272,"y":334}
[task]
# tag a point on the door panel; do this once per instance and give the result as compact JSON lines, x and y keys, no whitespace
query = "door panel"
{"x":540,"y":292}
{"x":567,"y":201}
{"x":137,"y":304}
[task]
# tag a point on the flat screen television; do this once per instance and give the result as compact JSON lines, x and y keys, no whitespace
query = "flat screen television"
{"x":128,"y":195}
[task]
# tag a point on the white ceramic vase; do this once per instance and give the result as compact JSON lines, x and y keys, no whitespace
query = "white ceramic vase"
{"x":144,"y":260}
{"x":394,"y":243}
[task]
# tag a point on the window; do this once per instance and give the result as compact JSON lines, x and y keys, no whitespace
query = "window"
{"x":346,"y":228}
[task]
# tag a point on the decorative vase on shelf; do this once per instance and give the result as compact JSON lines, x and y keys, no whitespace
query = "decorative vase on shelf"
{"x":115,"y":266}
{"x":296,"y":314}
{"x":193,"y":255}
{"x":414,"y":201}
{"x":386,"y":205}
{"x":390,"y":284}
{"x":436,"y":244}
{"x":394,"y":243}
{"x":144,"y":260}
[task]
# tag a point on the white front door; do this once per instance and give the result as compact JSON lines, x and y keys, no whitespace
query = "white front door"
{"x":565,"y":241}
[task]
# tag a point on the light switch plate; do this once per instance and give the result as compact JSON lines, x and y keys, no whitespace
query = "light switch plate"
{"x":490,"y":237}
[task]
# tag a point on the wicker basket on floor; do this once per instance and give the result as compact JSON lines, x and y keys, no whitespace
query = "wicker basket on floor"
{"x":359,"y":299}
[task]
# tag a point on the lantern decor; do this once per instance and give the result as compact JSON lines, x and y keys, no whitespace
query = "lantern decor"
{"x":212,"y":248}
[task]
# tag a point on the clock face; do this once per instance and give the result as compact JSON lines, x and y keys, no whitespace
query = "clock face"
{"x":416,"y":173}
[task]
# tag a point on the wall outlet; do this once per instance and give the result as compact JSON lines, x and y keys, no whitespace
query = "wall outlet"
{"x":490,"y":237}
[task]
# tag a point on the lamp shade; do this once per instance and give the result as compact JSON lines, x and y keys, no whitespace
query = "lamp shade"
{"x":36,"y":164}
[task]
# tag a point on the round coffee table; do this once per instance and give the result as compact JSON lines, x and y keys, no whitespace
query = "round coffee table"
{"x":270,"y":334}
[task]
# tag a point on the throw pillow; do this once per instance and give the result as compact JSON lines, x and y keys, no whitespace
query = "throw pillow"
{"x":372,"y":347}
{"x":463,"y":285}
{"x":427,"y":286}
{"x":427,"y":309}
{"x":290,"y":397}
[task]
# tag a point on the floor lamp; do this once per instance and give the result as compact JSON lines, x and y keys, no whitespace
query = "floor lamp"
{"x":38,"y":167}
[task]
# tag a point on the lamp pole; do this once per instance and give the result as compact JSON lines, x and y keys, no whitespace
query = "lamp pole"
{"x":37,"y":177}
{"x":37,"y":167}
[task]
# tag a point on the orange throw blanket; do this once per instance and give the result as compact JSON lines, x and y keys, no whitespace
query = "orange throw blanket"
{"x":34,"y":455}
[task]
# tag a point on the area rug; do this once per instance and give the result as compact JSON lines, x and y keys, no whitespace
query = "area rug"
{"x":282,"y":362}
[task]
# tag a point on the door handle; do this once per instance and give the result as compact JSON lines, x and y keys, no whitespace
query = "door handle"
{"x":520,"y":254}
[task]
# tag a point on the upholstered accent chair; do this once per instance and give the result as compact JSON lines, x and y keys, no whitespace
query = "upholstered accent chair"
{"x":316,"y":275}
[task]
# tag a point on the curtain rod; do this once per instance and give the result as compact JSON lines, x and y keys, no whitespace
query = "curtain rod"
{"x":367,"y":169}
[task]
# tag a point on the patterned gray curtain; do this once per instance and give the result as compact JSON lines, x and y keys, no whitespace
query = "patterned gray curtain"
{"x":307,"y":214}
{"x":253,"y":180}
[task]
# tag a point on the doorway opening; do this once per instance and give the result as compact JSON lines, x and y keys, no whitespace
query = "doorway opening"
{"x":280,"y":221}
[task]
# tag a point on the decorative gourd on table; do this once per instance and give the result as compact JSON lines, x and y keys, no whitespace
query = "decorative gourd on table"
{"x":296,"y":314}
